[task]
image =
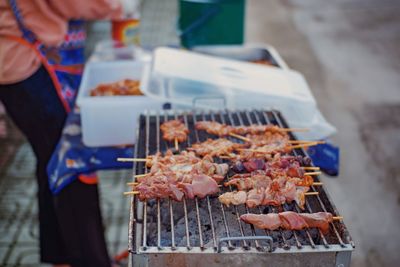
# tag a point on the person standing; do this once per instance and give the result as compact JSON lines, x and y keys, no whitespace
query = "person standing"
{"x":38,"y":82}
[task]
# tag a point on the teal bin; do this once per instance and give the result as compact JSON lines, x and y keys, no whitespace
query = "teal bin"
{"x":211,"y":22}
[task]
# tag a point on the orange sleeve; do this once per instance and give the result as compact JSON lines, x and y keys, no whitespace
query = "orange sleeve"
{"x":87,"y":9}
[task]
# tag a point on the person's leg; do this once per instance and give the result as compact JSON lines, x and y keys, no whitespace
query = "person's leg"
{"x":78,"y":207}
{"x":34,"y":107}
{"x":72,"y":219}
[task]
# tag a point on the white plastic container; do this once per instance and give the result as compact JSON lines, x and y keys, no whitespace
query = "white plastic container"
{"x":111,"y":120}
{"x":247,"y":52}
{"x":189,"y":79}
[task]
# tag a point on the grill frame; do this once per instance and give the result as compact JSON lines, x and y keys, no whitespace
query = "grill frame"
{"x":144,"y":255}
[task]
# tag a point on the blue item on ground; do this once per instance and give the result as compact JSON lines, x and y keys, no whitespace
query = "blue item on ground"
{"x":325,"y":156}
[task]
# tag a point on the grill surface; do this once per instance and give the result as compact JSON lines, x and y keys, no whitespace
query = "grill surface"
{"x":205,"y":225}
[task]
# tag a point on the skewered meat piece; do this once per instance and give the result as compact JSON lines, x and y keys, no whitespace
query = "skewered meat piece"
{"x":265,"y":138}
{"x":233,"y":198}
{"x":319,"y":220}
{"x":276,"y":165}
{"x":272,"y":148}
{"x":201,"y":186}
{"x":159,"y":191}
{"x":292,"y":221}
{"x":174,"y":129}
{"x":220,"y":129}
{"x":255,"y":197}
{"x":270,"y":221}
{"x":257,"y":129}
{"x":289,"y":220}
{"x":161,"y":187}
{"x":217,"y":147}
{"x":213,"y":127}
{"x":249,"y":181}
{"x":277,"y":192}
{"x":273,"y":195}
{"x":170,"y":158}
{"x":186,"y":163}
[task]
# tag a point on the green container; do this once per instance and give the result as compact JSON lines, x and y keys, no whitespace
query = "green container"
{"x":209,"y":22}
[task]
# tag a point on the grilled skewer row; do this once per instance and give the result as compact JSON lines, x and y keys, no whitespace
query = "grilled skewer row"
{"x":220,"y":129}
{"x":290,"y":220}
{"x":266,"y":192}
{"x":178,"y":175}
{"x":165,"y":186}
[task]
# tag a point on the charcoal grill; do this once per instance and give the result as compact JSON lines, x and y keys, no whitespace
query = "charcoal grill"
{"x":203,"y":232}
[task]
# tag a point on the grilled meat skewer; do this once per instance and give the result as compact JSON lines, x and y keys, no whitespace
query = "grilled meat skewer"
{"x":216,"y":147}
{"x":174,"y":130}
{"x":290,"y":220}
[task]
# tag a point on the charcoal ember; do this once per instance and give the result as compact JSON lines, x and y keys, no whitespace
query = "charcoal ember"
{"x":314,"y":233}
{"x":306,"y":161}
{"x":254,"y":164}
{"x":238,"y":167}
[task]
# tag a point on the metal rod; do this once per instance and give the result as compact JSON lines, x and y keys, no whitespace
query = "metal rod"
{"x":208,"y":204}
{"x":319,"y":230}
{"x":134,"y":225}
{"x":298,"y":244}
{"x":158,"y":200}
{"x":171,"y":211}
{"x":276,"y":117}
{"x":232,"y":122}
{"x":268,"y":232}
{"x":170,"y":206}
{"x":245,"y":245}
{"x":199,"y":223}
{"x":309,"y":210}
{"x":222,"y":207}
{"x":145,"y":202}
{"x":184,"y":203}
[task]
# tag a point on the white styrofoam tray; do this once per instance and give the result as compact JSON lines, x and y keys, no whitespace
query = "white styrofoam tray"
{"x":111,"y":120}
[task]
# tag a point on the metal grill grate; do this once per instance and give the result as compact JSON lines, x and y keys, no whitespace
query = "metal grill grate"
{"x":207,"y":226}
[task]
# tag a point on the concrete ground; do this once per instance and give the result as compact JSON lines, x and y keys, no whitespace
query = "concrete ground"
{"x":349,"y":51}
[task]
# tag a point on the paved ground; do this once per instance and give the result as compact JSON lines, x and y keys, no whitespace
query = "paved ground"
{"x":349,"y":51}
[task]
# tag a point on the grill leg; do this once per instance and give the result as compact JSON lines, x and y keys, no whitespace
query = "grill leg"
{"x":343,"y":258}
{"x":138,"y":260}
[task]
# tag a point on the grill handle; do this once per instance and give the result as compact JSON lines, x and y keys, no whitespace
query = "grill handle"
{"x":245,"y":238}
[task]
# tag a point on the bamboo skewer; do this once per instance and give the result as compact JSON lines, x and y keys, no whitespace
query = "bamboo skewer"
{"x":240,"y":137}
{"x":136,"y":183}
{"x":131,"y":193}
{"x":337,"y":218}
{"x":313,"y":173}
{"x":303,"y":145}
{"x":294,"y":129}
{"x":304,"y":142}
{"x":137,"y":192}
{"x":176,"y":144}
{"x":311,"y":193}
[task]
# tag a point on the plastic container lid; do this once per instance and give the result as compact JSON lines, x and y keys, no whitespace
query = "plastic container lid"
{"x":182,"y":77}
{"x":191,"y":80}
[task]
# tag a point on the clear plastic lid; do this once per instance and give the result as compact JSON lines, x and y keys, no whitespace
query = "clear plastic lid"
{"x":183,"y":77}
{"x":191,"y":80}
